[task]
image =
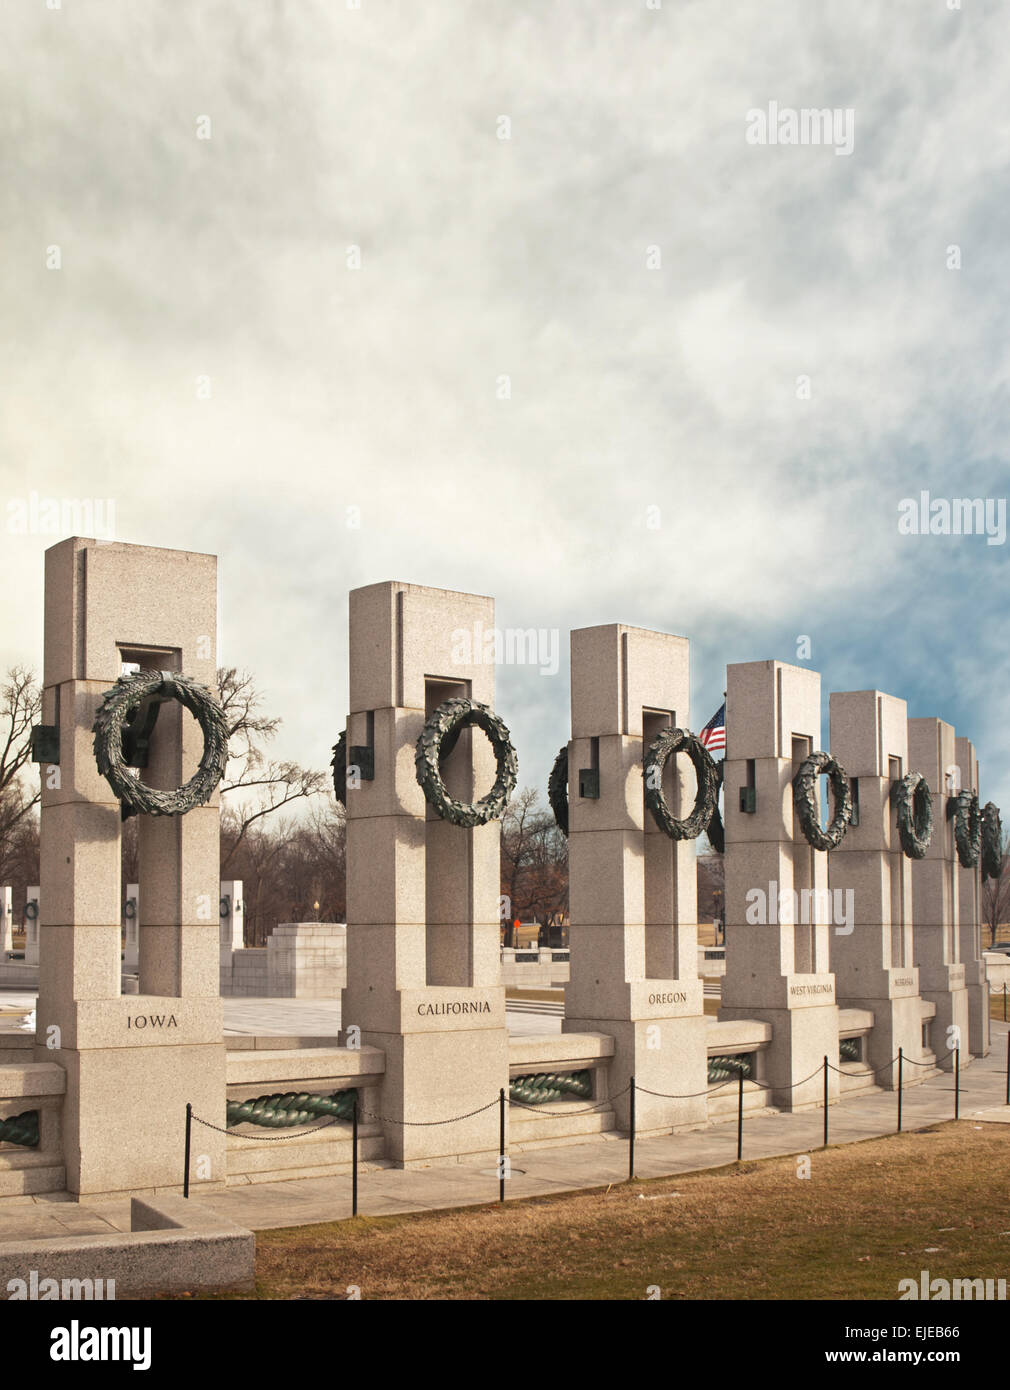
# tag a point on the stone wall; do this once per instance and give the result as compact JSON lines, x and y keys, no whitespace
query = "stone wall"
{"x":246,"y":973}
{"x":534,"y":968}
{"x":998,"y":969}
{"x":301,"y":960}
{"x":307,"y":960}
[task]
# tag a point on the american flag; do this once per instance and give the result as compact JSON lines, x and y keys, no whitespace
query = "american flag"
{"x":713,"y":736}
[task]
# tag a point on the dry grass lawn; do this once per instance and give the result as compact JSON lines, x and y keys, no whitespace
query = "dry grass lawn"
{"x":868,"y":1215}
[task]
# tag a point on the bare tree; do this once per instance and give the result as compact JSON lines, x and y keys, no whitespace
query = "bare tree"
{"x":287,"y":867}
{"x":516,"y":834}
{"x":20,"y":789}
{"x":534,"y":861}
{"x":259,"y":786}
{"x":21,"y":862}
{"x":314,"y":866}
{"x":287,"y":864}
{"x":711,"y":870}
{"x":547,"y":878}
{"x":255,"y":861}
{"x":996,"y":891}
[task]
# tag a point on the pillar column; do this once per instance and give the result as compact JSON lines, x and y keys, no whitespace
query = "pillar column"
{"x":6,"y":921}
{"x":232,"y":911}
{"x":777,"y":959}
{"x":33,"y":923}
{"x":936,"y":893}
{"x":131,"y":930}
{"x":872,"y":963}
{"x":632,"y":890}
{"x":133,"y":1061}
{"x":423,"y":959}
{"x":969,"y":916}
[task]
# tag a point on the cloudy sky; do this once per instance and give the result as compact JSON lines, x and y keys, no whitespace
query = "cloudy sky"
{"x":727,"y":362}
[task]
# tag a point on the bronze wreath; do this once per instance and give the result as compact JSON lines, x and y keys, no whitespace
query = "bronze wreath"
{"x":914,"y":805}
{"x":126,"y":696}
{"x":445,"y":726}
{"x":557,"y":789}
{"x":666,"y":743}
{"x":805,"y":800}
{"x":992,"y":841}
{"x":339,"y":765}
{"x":716,"y":830}
{"x":967,"y":828}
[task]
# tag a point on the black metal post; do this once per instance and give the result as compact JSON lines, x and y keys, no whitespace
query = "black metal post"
{"x":631,"y":1147}
{"x":354,"y":1158}
{"x":901,"y":1065}
{"x":501,"y":1144}
{"x":189,"y":1134}
{"x":957,"y":1082}
{"x":825,"y":1102}
{"x":739,"y":1115}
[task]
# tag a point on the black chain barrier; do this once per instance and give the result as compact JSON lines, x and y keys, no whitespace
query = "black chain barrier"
{"x":632,"y":1087}
{"x":762,"y":1087}
{"x":589,"y":1109}
{"x":271,"y":1138}
{"x":693,"y":1095}
{"x":892,"y":1063}
{"x":942,"y":1058}
{"x":428,"y":1124}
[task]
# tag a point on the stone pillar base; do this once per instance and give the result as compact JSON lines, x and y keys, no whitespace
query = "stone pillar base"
{"x":897,"y":1023}
{"x":434,"y":1076}
{"x":664,"y":1054}
{"x":132,"y":1102}
{"x":794,"y":1060}
{"x":944,"y":986}
{"x":977,"y":986}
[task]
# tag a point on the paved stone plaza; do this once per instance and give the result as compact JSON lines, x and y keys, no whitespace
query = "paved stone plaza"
{"x":309,"y":1018}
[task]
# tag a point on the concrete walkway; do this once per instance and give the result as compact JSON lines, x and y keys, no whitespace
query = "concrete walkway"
{"x":382,"y":1191}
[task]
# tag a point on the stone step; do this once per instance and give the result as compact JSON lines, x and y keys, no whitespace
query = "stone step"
{"x":25,"y":1172}
{"x":552,"y":1127}
{"x":857,"y":1085}
{"x":723,"y":1102}
{"x":16,"y":1048}
{"x":550,"y":1007}
{"x":317,"y":1154}
{"x":21,"y":1080}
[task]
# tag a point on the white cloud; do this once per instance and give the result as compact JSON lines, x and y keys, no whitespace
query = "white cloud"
{"x":376,"y":387}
